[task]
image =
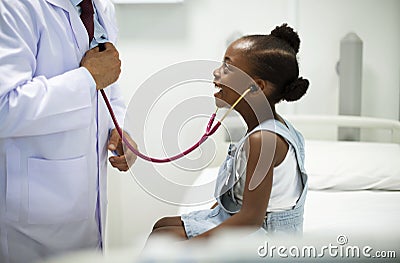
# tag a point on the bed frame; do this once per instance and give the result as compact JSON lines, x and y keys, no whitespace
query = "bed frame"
{"x":392,"y":126}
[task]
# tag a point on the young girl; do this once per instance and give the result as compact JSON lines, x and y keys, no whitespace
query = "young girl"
{"x":268,"y":187}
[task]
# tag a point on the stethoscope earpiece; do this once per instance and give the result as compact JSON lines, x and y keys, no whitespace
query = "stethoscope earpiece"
{"x":253,"y":88}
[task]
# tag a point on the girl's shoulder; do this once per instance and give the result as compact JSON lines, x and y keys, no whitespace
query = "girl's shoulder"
{"x":268,"y":140}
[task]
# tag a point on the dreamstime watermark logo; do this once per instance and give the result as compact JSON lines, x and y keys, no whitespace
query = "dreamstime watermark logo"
{"x":168,"y":113}
{"x":339,"y":250}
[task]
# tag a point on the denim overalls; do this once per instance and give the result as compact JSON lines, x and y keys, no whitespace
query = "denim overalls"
{"x":230,"y":185}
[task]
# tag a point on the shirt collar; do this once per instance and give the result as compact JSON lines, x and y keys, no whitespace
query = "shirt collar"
{"x":76,"y":2}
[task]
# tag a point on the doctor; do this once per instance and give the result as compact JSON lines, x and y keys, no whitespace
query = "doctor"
{"x":54,"y":128}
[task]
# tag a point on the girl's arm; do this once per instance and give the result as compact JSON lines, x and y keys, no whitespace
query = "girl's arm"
{"x":259,"y":174}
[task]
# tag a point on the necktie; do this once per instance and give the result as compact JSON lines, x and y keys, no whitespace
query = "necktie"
{"x":87,"y":12}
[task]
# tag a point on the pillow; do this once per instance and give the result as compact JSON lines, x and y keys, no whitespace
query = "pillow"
{"x":352,"y":165}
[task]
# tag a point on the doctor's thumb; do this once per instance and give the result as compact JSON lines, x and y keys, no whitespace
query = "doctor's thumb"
{"x":114,"y":140}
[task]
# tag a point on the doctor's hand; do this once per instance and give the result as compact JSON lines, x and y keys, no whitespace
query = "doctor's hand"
{"x":125,"y":157}
{"x":105,"y":66}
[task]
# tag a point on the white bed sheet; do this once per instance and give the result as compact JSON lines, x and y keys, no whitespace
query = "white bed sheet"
{"x":353,"y":212}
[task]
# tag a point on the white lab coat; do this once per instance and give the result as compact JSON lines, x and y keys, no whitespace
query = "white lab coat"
{"x":54,"y":130}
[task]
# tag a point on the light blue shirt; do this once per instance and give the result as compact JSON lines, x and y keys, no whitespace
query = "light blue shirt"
{"x":100,"y":35}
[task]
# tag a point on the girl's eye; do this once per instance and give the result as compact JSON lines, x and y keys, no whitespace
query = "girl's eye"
{"x":226,"y":67}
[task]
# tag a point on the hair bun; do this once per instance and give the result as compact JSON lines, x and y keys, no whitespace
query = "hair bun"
{"x":287,"y":34}
{"x":296,"y":89}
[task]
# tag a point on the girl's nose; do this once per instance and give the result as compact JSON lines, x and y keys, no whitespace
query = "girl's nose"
{"x":216,"y":72}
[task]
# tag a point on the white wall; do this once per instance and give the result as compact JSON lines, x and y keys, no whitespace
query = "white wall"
{"x":155,"y":36}
{"x":322,"y":24}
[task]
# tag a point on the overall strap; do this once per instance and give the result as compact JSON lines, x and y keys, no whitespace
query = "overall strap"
{"x":293,"y":137}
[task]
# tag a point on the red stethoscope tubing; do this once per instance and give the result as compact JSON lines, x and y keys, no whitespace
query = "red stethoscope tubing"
{"x":210,"y":130}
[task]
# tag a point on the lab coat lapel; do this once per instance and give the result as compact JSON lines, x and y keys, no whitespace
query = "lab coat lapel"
{"x":81,"y":37}
{"x":105,"y":21}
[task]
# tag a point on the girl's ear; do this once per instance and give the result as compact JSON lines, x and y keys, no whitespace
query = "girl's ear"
{"x":264,"y":86}
{"x":261,"y":84}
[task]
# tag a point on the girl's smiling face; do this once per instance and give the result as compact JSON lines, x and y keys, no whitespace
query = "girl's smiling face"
{"x":232,"y":77}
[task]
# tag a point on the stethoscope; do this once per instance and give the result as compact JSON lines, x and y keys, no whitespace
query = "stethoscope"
{"x":210,"y":129}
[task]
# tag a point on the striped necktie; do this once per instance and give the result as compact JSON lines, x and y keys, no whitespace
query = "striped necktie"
{"x":87,"y":13}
